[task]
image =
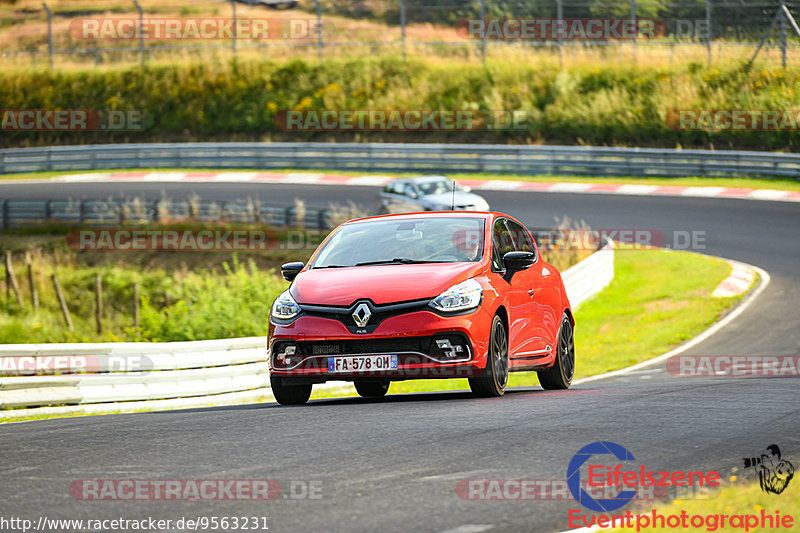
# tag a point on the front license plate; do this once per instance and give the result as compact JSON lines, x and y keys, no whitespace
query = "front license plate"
{"x":362,"y":363}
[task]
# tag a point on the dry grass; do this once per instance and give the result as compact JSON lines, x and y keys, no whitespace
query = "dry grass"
{"x":23,"y":25}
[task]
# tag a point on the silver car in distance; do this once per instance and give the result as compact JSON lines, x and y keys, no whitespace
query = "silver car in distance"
{"x":428,"y":193}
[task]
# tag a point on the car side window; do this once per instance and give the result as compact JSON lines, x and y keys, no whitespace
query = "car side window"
{"x":519,"y":234}
{"x":410,"y":191}
{"x":502,"y":243}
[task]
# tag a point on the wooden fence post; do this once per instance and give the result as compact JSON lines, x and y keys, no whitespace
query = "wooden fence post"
{"x":98,"y":290}
{"x":136,"y":306}
{"x":62,"y":302}
{"x":11,"y":279}
{"x":32,"y":283}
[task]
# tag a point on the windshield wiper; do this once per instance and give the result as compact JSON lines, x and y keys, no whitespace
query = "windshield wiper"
{"x":331,"y":266}
{"x":398,"y":260}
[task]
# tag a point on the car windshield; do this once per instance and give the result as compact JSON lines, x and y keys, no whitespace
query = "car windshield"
{"x":427,"y":188}
{"x":404,"y":241}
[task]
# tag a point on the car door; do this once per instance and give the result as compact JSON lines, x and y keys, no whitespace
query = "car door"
{"x":536,"y":311}
{"x":411,"y":199}
{"x":516,"y":286}
{"x":392,"y":198}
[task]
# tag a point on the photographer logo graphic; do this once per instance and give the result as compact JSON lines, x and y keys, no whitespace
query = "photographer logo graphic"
{"x":574,"y":477}
{"x":774,"y":473}
{"x":611,"y":475}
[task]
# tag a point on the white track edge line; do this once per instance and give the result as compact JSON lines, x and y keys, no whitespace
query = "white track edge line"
{"x":714,"y":328}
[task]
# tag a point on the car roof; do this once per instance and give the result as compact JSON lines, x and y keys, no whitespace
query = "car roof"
{"x":483,"y":215}
{"x":423,"y":179}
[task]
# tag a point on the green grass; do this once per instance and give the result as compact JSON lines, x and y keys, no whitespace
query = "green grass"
{"x":32,"y":418}
{"x":657,"y":300}
{"x":734,"y":499}
{"x":746,"y":183}
{"x":176,"y":304}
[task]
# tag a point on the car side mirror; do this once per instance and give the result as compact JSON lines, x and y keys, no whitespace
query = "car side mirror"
{"x":413,"y":195}
{"x":289,"y":271}
{"x":519,"y":260}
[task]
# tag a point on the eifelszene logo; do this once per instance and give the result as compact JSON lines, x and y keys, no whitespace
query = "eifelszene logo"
{"x":616,"y":477}
{"x":774,"y":473}
{"x":574,"y":477}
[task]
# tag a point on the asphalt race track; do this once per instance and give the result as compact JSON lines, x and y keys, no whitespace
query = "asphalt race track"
{"x":394,"y":464}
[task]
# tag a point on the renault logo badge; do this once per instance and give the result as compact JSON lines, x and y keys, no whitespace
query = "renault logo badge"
{"x":362,"y":315}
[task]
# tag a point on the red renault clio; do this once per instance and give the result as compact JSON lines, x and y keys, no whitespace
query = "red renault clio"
{"x":421,"y":295}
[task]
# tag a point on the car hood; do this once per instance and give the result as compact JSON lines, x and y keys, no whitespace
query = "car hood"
{"x":382,"y":284}
{"x":446,"y":199}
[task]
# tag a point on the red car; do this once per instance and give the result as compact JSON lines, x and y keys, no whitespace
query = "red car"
{"x":421,"y":295}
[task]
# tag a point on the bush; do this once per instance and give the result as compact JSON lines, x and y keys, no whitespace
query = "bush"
{"x":623,"y":105}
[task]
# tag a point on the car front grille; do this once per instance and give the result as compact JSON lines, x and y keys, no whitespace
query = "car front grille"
{"x":379,"y":313}
{"x":313,"y":354}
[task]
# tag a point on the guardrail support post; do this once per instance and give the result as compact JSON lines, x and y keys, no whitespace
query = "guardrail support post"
{"x":708,"y":31}
{"x":636,"y":26}
{"x":319,"y":29}
{"x":233,"y":44}
{"x":483,"y":37}
{"x":49,"y":32}
{"x":783,"y":33}
{"x":403,"y":26}
{"x":559,"y":18}
{"x":141,"y":30}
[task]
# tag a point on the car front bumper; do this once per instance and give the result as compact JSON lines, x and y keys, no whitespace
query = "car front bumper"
{"x":411,"y":337}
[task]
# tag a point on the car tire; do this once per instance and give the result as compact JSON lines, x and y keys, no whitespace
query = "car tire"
{"x":559,"y":376}
{"x":492,"y":383}
{"x":372,"y":389}
{"x":289,"y":394}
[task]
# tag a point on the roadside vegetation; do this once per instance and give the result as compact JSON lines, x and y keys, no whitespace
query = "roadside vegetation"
{"x":583,"y":104}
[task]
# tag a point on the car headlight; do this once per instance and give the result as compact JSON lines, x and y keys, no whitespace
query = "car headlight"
{"x":284,"y":307}
{"x":459,"y":297}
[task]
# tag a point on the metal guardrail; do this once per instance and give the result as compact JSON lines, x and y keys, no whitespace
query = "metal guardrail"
{"x":163,"y":370}
{"x":93,"y":213}
{"x":189,"y":369}
{"x":440,"y":158}
{"x":590,"y":276}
